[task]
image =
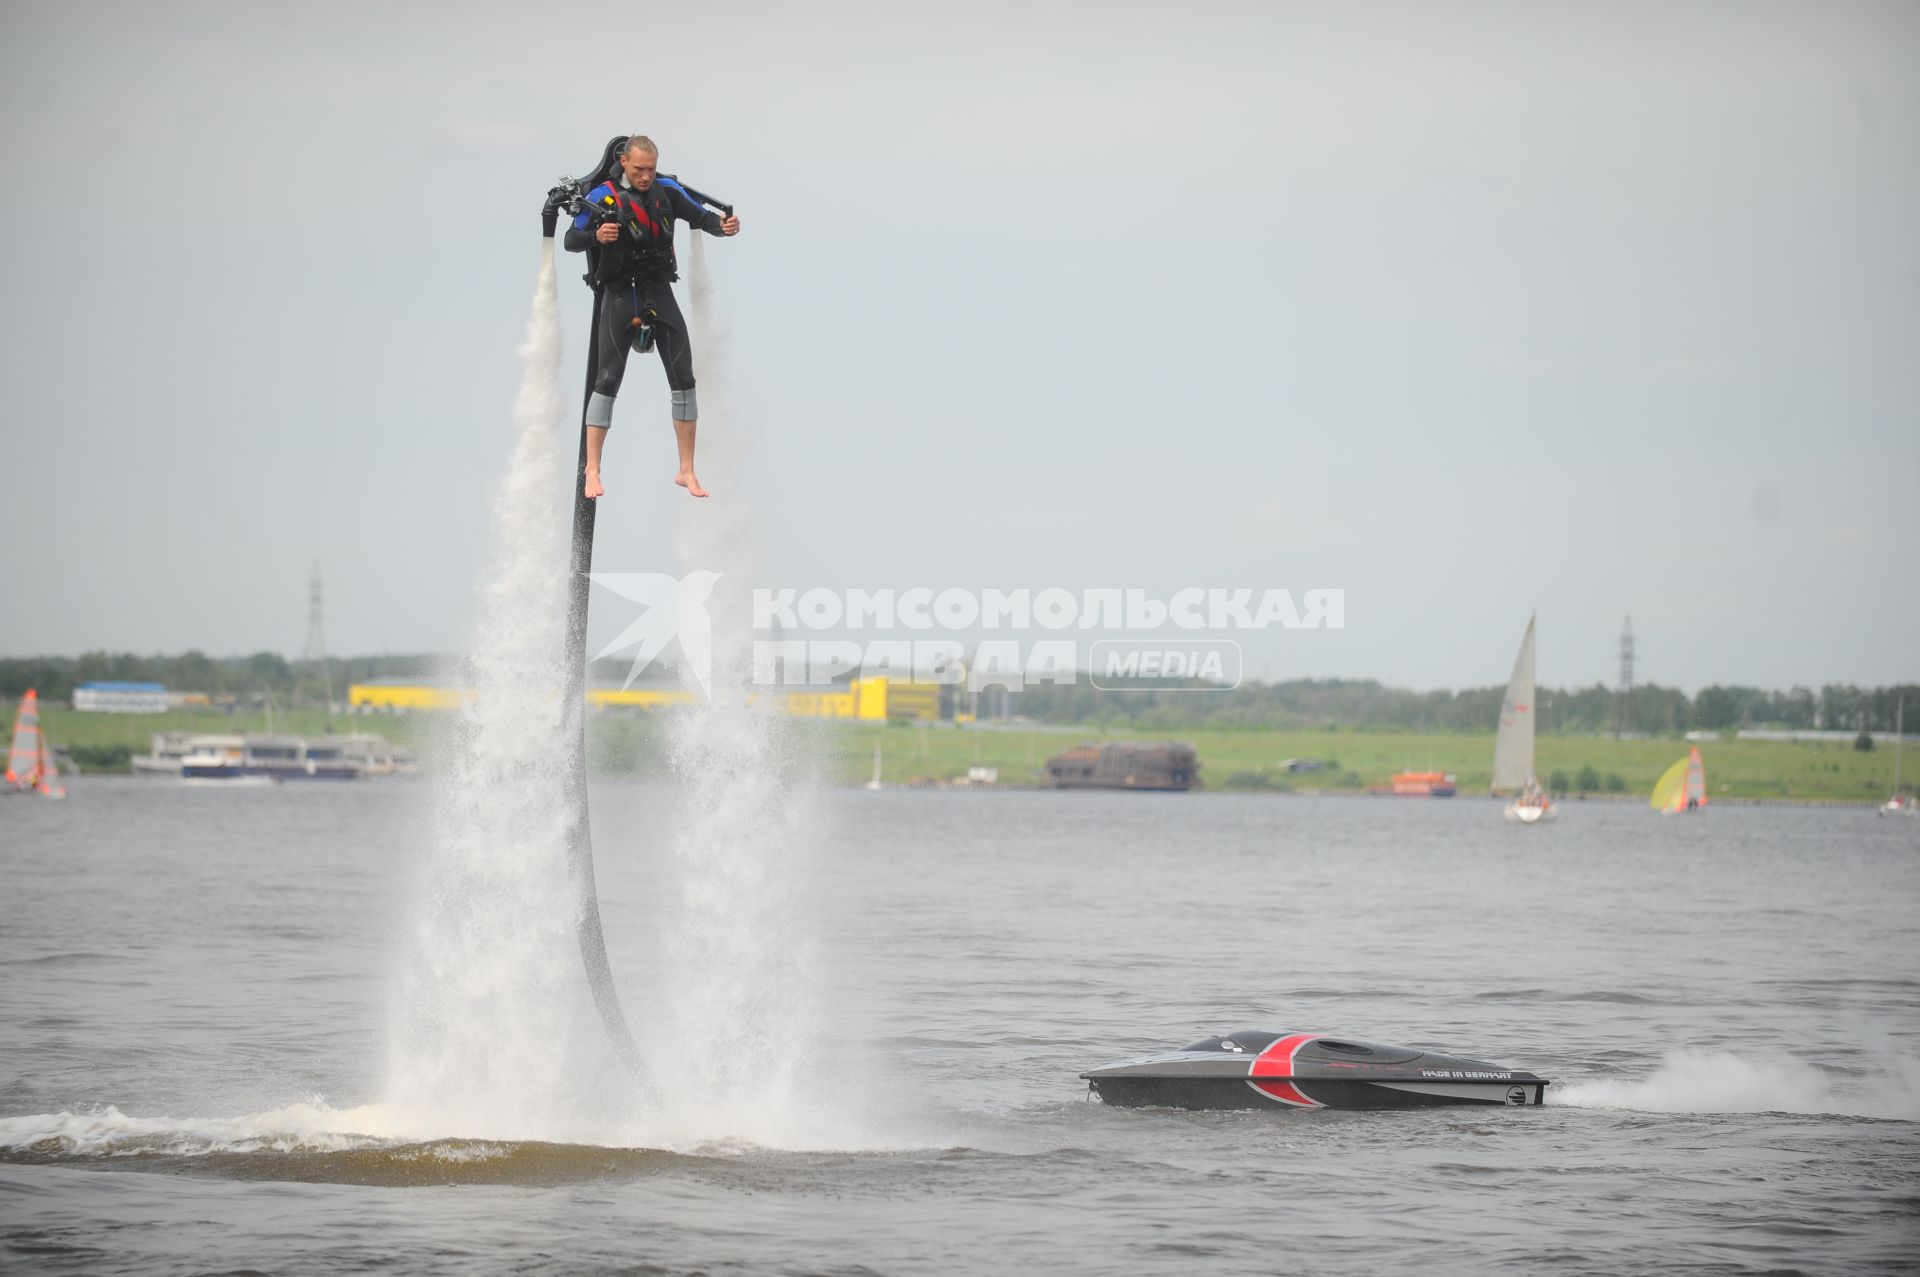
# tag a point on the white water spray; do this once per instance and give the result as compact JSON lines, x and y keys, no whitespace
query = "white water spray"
{"x":733,"y":1047}
{"x":1691,"y":1081}
{"x":494,"y":1039}
{"x":491,"y":990}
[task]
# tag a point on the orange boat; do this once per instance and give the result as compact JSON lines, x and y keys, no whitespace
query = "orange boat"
{"x":1423,"y":785}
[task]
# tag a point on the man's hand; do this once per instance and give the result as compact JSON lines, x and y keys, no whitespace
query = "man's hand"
{"x":730,"y":226}
{"x":607,"y":232}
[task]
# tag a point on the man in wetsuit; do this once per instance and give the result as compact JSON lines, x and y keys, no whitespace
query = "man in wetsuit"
{"x":633,"y":269}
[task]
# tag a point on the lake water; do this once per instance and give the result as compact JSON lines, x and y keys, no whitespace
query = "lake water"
{"x":871,"y":1066}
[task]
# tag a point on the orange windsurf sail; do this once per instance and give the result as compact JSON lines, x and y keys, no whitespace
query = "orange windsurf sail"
{"x":24,"y":757}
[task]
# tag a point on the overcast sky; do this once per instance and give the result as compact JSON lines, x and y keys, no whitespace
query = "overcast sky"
{"x":1468,"y":309}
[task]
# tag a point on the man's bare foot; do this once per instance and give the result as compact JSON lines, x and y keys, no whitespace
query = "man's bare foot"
{"x":593,"y":488}
{"x":687,"y":480}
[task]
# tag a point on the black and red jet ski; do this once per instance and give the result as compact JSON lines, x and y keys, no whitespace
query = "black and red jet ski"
{"x":1255,"y":1069}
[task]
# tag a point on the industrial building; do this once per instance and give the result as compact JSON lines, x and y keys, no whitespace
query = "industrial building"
{"x":865,"y":699}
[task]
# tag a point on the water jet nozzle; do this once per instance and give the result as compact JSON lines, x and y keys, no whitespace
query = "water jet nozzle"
{"x":567,"y":195}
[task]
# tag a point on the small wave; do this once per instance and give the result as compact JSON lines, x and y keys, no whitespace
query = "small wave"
{"x":1689,"y":1081}
{"x":1619,"y":996}
{"x":57,"y":960}
{"x":107,"y":1132}
{"x":1891,"y":984}
{"x":309,"y":1143}
{"x":377,"y":1144}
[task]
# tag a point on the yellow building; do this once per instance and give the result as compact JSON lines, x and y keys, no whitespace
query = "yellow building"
{"x":872,"y":700}
{"x":400,"y":696}
{"x":908,"y":702}
{"x":865,"y":699}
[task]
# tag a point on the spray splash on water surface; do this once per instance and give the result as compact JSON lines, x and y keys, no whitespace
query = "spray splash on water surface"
{"x":1694,"y":1081}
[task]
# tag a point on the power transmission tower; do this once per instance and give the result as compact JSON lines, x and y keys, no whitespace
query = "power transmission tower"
{"x":316,"y":649}
{"x":1623,"y":695}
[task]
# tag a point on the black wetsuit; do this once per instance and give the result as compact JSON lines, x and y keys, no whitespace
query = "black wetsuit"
{"x":634,"y":276}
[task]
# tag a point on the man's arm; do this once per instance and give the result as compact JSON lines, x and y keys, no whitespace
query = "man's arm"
{"x":691,"y":211}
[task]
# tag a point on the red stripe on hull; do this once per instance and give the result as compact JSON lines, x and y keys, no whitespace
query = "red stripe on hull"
{"x":1286,"y":1093}
{"x":1275,"y":1066}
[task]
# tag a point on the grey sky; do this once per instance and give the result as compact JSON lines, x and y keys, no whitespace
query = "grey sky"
{"x":1466,"y":308}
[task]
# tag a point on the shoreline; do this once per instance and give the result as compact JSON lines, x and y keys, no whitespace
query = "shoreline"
{"x":931,"y":786}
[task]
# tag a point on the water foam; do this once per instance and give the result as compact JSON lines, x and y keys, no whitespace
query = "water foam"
{"x":1694,"y":1081}
{"x":308,"y":1126}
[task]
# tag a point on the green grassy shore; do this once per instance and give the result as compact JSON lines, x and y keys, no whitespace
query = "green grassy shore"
{"x":1254,"y":760}
{"x":1251,"y":760}
{"x":1801,"y":771}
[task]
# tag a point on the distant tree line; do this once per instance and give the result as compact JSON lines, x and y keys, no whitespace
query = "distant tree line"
{"x":1367,"y":705}
{"x":1362,"y":704}
{"x":245,"y":678}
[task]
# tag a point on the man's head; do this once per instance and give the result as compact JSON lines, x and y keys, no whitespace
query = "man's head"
{"x":639,"y":159}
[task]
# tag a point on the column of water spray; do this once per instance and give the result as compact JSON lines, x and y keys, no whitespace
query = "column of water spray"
{"x":489,"y":1005}
{"x":732,"y":1049}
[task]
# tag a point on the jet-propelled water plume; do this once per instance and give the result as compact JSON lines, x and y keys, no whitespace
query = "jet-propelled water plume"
{"x":736,"y":1037}
{"x":489,"y":1039}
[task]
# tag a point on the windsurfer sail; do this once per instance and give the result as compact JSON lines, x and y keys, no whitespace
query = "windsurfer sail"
{"x":1683,"y":787}
{"x":30,"y":765}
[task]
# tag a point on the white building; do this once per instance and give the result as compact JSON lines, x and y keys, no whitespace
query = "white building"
{"x":121,"y":698}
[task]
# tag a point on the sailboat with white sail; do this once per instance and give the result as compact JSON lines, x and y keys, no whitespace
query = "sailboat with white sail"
{"x":1900,"y":804}
{"x":875,"y":782}
{"x":1513,"y":770}
{"x":30,"y":765}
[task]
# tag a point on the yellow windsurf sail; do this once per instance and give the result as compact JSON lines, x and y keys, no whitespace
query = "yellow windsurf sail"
{"x":1670,"y":794}
{"x":1683,"y":786}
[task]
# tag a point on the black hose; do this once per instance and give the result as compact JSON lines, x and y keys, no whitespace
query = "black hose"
{"x":593,"y":941}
